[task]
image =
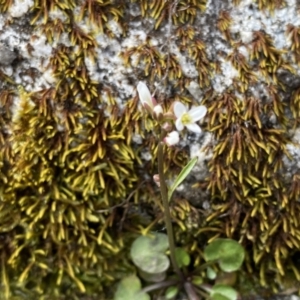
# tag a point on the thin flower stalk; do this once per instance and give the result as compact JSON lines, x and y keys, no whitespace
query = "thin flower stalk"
{"x":167,"y":214}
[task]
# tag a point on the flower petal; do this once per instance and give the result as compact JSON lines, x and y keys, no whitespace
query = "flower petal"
{"x":172,"y":138}
{"x":193,"y":127}
{"x":197,"y":113}
{"x":179,"y":125}
{"x":179,"y":109}
{"x":144,"y":94}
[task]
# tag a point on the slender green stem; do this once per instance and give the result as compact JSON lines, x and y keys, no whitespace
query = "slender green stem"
{"x":158,"y":285}
{"x":205,"y":265}
{"x":168,"y":221}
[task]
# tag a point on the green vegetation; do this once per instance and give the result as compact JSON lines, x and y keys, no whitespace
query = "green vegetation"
{"x":73,"y":193}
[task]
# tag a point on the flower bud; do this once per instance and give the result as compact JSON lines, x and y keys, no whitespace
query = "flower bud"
{"x":172,"y":138}
{"x":156,"y":179}
{"x":158,"y":112}
{"x":146,"y":99}
{"x":167,"y":126}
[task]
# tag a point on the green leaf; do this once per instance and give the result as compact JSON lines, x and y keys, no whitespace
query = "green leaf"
{"x":229,"y":254}
{"x":210,"y":273}
{"x":171,"y":292}
{"x":197,"y":280}
{"x":218,"y":297}
{"x":182,"y":175}
{"x":129,"y":289}
{"x":153,"y":263}
{"x":157,"y":277}
{"x":182,"y":257}
{"x":148,"y":253}
{"x":223,"y":292}
{"x":154,"y":242}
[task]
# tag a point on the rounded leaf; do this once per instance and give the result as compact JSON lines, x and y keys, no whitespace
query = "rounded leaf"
{"x":211,"y":273}
{"x":152,"y":263}
{"x":157,"y":277}
{"x":182,"y":257}
{"x":129,"y":289}
{"x":223,"y":292}
{"x":229,"y":254}
{"x":171,"y":292}
{"x":156,"y":242}
{"x":147,"y":253}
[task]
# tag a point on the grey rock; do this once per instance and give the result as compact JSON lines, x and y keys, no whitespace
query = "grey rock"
{"x":6,"y":55}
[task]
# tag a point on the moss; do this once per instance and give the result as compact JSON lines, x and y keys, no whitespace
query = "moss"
{"x":41,"y":9}
{"x":245,"y":74}
{"x":270,"y":59}
{"x":294,"y":34}
{"x":98,"y":13}
{"x":224,"y":22}
{"x":68,"y":161}
{"x":270,"y":4}
{"x":5,"y":5}
{"x":181,"y":12}
{"x":248,"y":185}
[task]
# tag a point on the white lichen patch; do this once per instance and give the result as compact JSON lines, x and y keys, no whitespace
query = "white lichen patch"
{"x":200,"y":151}
{"x":20,"y":8}
{"x":195,"y":90}
{"x":294,"y":149}
{"x":224,"y":80}
{"x":137,"y":139}
{"x":115,"y":28}
{"x":58,"y":14}
{"x":31,"y":71}
{"x":246,"y":18}
{"x":146,"y":155}
{"x":187,"y":66}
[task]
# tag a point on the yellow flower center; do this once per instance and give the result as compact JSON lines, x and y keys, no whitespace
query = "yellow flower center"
{"x":186,"y":119}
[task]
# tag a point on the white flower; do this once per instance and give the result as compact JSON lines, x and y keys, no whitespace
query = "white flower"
{"x":144,"y":94}
{"x":187,"y":118}
{"x":172,"y":138}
